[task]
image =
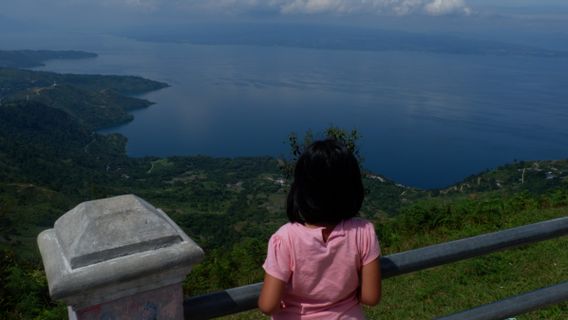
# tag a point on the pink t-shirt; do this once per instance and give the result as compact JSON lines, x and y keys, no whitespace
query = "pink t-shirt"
{"x":322,"y":277}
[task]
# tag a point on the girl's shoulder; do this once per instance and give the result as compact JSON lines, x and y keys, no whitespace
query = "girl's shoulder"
{"x":285,"y":228}
{"x":357,"y":222}
{"x":360,"y":228}
{"x":284,"y":231}
{"x":292,"y":229}
{"x":295,"y":230}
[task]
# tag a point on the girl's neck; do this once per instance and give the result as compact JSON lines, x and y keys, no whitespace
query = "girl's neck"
{"x":325,"y":232}
{"x":316,"y":226}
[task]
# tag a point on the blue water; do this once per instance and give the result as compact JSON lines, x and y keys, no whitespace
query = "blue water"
{"x":426,"y":120}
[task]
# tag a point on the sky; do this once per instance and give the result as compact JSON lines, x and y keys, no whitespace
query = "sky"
{"x":482,"y":18}
{"x":116,"y":12}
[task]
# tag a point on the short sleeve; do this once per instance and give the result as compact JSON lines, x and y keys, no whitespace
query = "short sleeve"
{"x":277,"y":263}
{"x":369,"y":244}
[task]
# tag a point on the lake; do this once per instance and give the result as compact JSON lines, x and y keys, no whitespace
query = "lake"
{"x":426,"y":120}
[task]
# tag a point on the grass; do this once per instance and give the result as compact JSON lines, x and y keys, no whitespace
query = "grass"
{"x":467,"y":284}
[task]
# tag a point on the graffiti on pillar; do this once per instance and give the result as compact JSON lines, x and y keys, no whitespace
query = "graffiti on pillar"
{"x":150,"y":311}
{"x":159,"y":304}
{"x":108,"y":316}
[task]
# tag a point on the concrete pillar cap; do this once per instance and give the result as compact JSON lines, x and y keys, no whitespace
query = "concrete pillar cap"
{"x":106,"y":249}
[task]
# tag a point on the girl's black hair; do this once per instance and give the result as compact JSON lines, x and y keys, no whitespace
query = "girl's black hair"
{"x":327,"y":185}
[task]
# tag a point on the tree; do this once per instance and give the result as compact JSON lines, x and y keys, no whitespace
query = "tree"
{"x":348,"y":138}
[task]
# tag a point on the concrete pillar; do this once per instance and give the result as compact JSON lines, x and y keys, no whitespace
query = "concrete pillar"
{"x":118,"y":258}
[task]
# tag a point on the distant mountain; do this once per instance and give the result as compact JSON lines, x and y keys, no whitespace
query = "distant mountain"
{"x":35,"y":58}
{"x":334,"y":38}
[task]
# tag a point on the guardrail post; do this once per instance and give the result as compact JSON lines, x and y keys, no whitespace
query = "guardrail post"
{"x":118,"y":258}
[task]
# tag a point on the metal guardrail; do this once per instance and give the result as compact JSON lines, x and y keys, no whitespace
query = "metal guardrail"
{"x":515,"y":305}
{"x":244,"y":298}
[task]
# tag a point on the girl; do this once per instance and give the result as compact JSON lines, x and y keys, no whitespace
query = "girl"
{"x":325,"y":262}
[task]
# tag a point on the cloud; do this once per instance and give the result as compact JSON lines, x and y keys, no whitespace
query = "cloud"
{"x":443,"y":7}
{"x":237,"y":7}
{"x":307,"y":7}
{"x":397,"y":7}
{"x":149,"y":5}
{"x":318,"y":6}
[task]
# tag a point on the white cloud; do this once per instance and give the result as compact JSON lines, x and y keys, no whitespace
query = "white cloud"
{"x":397,"y":7}
{"x":137,"y":4}
{"x":284,"y":7}
{"x":405,"y":7}
{"x":443,"y":7}
{"x":290,"y":7}
{"x":316,"y":6}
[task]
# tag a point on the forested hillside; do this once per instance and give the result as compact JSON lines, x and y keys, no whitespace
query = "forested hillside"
{"x":97,"y":101}
{"x":51,"y":159}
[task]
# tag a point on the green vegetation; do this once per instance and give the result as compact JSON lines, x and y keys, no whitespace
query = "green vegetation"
{"x":467,"y":284}
{"x":51,"y":160}
{"x":97,"y":101}
{"x":350,"y":140}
